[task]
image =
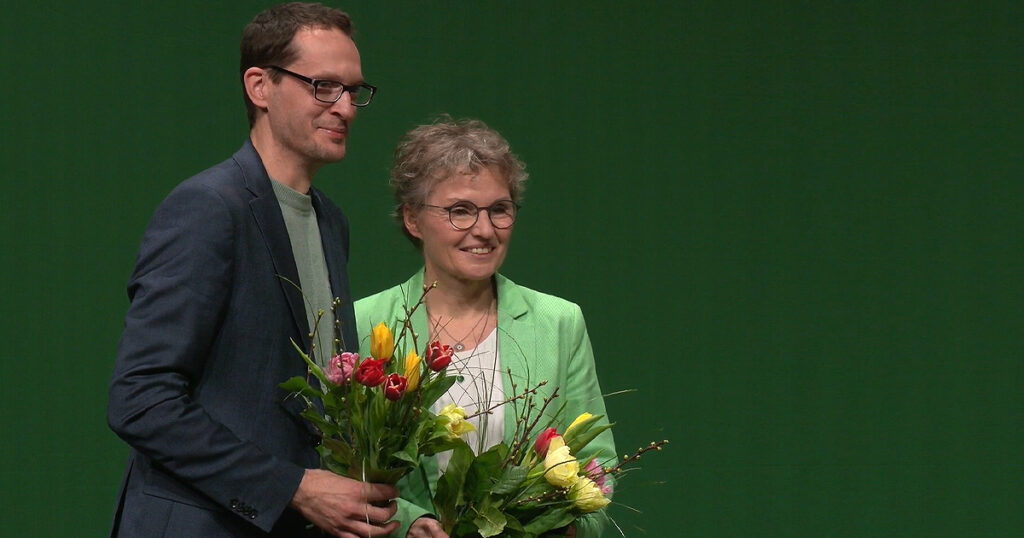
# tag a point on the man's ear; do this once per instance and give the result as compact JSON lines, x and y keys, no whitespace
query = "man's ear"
{"x":411,"y":222}
{"x":257,"y":86}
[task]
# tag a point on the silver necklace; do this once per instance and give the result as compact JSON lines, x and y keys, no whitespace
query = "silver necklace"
{"x":459,"y":346}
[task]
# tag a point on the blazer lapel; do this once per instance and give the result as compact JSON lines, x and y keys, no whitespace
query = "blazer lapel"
{"x":267,"y":212}
{"x":517,"y":344}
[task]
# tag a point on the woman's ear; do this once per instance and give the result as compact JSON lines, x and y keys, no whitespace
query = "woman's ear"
{"x":411,"y":223}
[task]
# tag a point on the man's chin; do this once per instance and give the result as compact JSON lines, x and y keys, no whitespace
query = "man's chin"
{"x":333,"y":154}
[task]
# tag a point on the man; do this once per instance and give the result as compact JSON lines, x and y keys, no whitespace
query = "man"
{"x":217,"y":448}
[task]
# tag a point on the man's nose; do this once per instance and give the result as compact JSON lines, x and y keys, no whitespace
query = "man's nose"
{"x":344,"y":107}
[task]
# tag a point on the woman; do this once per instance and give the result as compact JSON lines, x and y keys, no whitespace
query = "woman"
{"x":457,"y":187}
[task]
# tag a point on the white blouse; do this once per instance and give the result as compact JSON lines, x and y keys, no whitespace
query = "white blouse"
{"x":481,"y":388}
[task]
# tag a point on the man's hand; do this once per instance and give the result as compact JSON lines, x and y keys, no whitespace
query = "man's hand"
{"x":426,"y":527}
{"x":342,"y":506}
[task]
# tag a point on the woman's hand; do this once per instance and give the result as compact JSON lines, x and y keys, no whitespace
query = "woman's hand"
{"x":426,"y":527}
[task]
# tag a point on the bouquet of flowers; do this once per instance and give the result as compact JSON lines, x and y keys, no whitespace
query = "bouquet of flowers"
{"x":373,"y":413}
{"x":536,"y":485}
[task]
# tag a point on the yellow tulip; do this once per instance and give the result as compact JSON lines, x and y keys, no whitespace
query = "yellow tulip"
{"x":382,"y":342}
{"x":412,"y":370}
{"x":560,"y":467}
{"x":579,"y":419}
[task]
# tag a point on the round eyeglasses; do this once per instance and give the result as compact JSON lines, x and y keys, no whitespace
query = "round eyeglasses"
{"x":329,"y":91}
{"x":463,"y":215}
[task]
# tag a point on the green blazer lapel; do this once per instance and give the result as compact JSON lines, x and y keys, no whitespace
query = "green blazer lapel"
{"x":517,"y":345}
{"x":413,"y":290}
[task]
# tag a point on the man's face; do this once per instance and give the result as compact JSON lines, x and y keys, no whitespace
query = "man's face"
{"x":308,"y":132}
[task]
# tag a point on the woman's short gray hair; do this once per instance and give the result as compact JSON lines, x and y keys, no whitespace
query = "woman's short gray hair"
{"x":435,"y":152}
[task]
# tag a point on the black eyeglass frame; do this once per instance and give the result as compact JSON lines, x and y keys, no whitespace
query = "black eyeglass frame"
{"x":476,"y":214}
{"x":316,"y":82}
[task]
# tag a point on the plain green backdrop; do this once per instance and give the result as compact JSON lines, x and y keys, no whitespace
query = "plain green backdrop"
{"x":794,"y":228}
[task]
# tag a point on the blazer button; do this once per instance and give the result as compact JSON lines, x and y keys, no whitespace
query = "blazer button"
{"x":234,"y":504}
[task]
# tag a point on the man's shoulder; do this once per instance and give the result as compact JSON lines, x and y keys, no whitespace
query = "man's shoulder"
{"x":225,"y":175}
{"x":225,"y":180}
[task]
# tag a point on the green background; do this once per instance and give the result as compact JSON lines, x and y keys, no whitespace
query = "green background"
{"x":794,"y":228}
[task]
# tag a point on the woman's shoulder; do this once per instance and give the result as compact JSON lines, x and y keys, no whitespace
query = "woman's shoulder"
{"x":394,"y":295}
{"x":389,"y":299}
{"x":519,"y":297}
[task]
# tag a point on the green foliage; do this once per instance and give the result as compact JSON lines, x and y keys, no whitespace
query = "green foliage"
{"x":490,"y":521}
{"x":449,"y":497}
{"x":583,"y":433}
{"x":503,"y":491}
{"x":555,"y":518}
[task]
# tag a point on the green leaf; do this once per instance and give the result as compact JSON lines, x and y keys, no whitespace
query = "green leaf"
{"x":580,"y":441}
{"x":512,"y":524}
{"x":298,"y":385}
{"x":484,"y":472}
{"x":511,"y":480}
{"x":490,"y":521}
{"x":326,"y":428}
{"x":450,"y":486}
{"x":580,"y":429}
{"x":555,"y":518}
{"x":434,"y":389}
{"x":313,"y":367}
{"x":340,"y":451}
{"x":411,"y":451}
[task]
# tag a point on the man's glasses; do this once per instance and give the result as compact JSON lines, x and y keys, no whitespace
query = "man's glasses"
{"x":329,"y":91}
{"x":463,"y":215}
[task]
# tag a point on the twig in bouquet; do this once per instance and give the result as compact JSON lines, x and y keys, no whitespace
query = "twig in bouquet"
{"x":636,"y":455}
{"x":407,"y":322}
{"x":553,"y":495}
{"x":339,"y":338}
{"x":522,"y":431}
{"x":510,"y":399}
{"x":317,"y":317}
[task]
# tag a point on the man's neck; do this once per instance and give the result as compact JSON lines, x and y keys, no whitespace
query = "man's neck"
{"x":281,"y":164}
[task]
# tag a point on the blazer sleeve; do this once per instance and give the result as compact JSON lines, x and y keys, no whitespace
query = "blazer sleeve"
{"x":583,"y":392}
{"x":179,"y":292}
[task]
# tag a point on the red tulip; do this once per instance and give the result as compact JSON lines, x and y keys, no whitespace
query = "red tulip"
{"x":543,"y":440}
{"x":370,"y":372}
{"x":394,"y":387}
{"x":439,"y":356}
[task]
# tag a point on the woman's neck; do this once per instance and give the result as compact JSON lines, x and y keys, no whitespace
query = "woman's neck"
{"x":453,"y":298}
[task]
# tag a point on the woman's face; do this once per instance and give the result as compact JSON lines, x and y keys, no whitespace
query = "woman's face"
{"x":473,"y":254}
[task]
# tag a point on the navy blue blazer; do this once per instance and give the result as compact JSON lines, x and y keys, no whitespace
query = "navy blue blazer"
{"x":217,"y":449}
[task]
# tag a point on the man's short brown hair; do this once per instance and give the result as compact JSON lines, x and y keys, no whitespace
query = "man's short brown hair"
{"x":267,"y":39}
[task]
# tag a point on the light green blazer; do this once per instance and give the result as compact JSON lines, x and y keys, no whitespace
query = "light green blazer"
{"x":540,"y":337}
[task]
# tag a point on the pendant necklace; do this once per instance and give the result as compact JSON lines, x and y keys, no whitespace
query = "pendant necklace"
{"x":459,"y":346}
